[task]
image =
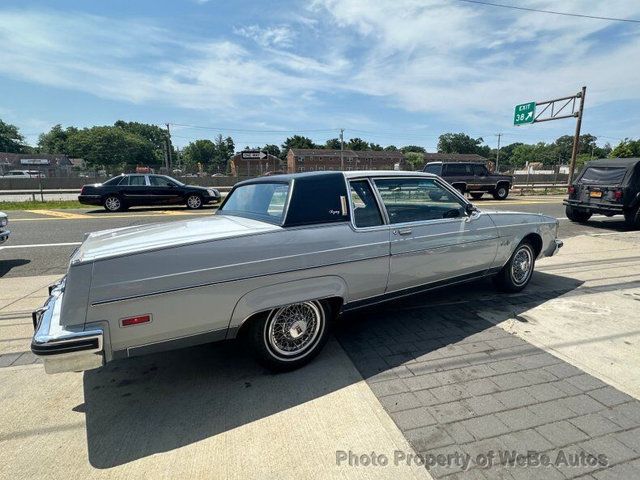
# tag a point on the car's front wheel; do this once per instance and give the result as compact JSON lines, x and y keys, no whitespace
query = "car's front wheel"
{"x":576,"y":215}
{"x":113,"y":203}
{"x":515,"y":275}
{"x":288,"y":337}
{"x":501,"y":193}
{"x":194,"y":202}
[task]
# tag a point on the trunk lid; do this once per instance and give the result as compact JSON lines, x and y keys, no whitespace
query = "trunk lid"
{"x":128,"y":240}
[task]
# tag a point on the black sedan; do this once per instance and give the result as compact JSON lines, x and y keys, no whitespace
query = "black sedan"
{"x":124,"y":191}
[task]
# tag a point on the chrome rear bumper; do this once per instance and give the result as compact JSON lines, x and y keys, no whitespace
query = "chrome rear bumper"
{"x":64,"y":349}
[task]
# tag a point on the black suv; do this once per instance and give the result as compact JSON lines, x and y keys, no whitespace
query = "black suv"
{"x":124,"y":191}
{"x":610,"y":186}
{"x":472,"y":177}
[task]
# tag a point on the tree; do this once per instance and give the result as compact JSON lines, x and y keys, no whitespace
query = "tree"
{"x":199,"y":153}
{"x":390,"y":148}
{"x":462,"y":143}
{"x":111,"y":148}
{"x":297,"y":141}
{"x":357,"y":144}
{"x":332,"y":144}
{"x":55,"y":140}
{"x":375,"y":147}
{"x":626,"y":148}
{"x":11,"y":140}
{"x":413,"y":148}
{"x":152,"y":133}
{"x":271,"y":150}
{"x":415,"y":160}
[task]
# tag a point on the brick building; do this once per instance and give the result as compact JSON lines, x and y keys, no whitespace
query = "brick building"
{"x":309,"y":160}
{"x":252,"y":163}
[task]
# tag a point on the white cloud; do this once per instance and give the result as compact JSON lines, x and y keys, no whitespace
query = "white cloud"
{"x":277,"y":36}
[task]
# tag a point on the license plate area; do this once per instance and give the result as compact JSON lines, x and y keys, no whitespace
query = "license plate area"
{"x":595,"y":194}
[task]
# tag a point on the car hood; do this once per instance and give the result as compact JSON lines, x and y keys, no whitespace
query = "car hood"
{"x":129,"y":240}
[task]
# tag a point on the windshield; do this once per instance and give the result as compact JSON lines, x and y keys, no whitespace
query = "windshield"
{"x":604,"y":175}
{"x":264,"y":201}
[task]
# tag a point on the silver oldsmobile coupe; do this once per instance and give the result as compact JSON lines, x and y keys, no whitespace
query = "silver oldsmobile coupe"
{"x":281,"y":258}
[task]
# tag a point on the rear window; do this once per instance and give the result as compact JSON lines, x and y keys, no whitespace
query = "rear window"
{"x":603,"y":175}
{"x":114,"y":180}
{"x":264,"y":201}
{"x":453,"y":169}
{"x":435,"y":169}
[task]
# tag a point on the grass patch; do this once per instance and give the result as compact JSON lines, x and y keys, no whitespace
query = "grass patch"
{"x":48,"y":205}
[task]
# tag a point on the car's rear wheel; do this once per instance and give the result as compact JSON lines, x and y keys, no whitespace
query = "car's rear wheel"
{"x":113,"y":203}
{"x":194,"y":202}
{"x":476,"y":195}
{"x":515,"y":275}
{"x":501,"y":193}
{"x":288,"y":337}
{"x":632,"y":217}
{"x":576,"y":215}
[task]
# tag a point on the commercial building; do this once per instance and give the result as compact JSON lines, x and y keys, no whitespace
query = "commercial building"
{"x":50,"y":165}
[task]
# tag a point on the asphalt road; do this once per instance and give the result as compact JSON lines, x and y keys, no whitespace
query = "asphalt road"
{"x":42,"y":240}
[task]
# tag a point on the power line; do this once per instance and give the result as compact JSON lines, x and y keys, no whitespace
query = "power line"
{"x":551,"y":12}
{"x":224,"y":129}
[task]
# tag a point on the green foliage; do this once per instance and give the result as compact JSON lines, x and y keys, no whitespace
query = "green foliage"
{"x":412,"y":148}
{"x":626,"y":148}
{"x":199,"y":153}
{"x":375,"y":147}
{"x":55,"y":140}
{"x":11,"y":140}
{"x":390,"y":148}
{"x":462,"y":143}
{"x":152,"y":133}
{"x":357,"y":144}
{"x":415,"y":160}
{"x":112,"y":148}
{"x":297,"y":141}
{"x":332,"y":144}
{"x":271,"y":150}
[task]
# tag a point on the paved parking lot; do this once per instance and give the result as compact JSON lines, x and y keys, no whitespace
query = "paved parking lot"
{"x":459,"y":373}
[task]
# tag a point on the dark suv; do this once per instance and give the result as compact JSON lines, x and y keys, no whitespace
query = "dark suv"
{"x":610,"y":186}
{"x":472,"y":177}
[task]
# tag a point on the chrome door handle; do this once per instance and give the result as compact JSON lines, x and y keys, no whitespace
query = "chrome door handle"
{"x":404,"y":231}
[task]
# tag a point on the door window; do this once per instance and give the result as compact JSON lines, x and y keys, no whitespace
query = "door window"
{"x":480,"y":171}
{"x":365,"y":208}
{"x":418,"y":199}
{"x":457,"y":169}
{"x":137,"y":181}
{"x":433,"y":168}
{"x":158,"y":181}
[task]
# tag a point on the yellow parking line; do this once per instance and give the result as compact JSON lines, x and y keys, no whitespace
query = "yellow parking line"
{"x":58,"y":214}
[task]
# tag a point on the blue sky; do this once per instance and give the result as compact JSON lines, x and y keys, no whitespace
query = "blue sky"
{"x":390,"y":71}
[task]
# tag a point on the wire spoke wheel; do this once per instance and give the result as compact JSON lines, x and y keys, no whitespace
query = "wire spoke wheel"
{"x":293,"y":330}
{"x":522,"y":265}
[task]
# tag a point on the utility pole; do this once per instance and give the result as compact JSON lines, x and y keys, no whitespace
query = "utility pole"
{"x":576,"y":139}
{"x":498,"y":151}
{"x":169,"y":162}
{"x":342,"y":149}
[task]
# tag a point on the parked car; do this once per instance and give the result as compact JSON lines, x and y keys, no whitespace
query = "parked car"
{"x":124,"y":191}
{"x":4,"y":231}
{"x":609,"y":186}
{"x":276,"y":264}
{"x":472,"y":177}
{"x":24,"y":174}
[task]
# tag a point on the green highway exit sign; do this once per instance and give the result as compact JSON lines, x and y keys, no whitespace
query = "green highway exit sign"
{"x":524,"y":113}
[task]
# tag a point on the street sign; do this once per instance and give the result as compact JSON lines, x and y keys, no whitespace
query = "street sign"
{"x":524,"y":113}
{"x":254,"y":155}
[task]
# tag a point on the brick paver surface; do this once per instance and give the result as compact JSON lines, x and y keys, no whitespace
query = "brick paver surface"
{"x":456,"y":384}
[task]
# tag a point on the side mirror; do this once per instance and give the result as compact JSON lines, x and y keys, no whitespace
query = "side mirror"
{"x":470,"y":209}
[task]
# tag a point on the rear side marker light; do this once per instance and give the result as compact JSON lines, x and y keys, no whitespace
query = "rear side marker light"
{"x":127,"y":322}
{"x":571,"y":190}
{"x":617,"y":194}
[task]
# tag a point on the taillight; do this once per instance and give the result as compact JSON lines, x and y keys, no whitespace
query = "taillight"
{"x":82,"y":191}
{"x":126,"y":322}
{"x":571,"y":190}
{"x":617,"y":194}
